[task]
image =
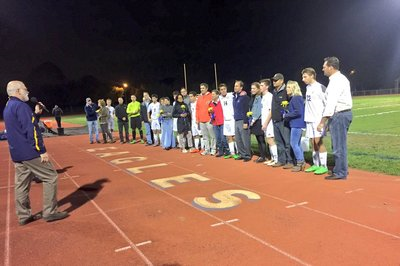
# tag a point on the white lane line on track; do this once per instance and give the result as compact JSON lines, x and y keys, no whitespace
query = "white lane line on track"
{"x":7,"y":187}
{"x":129,"y":247}
{"x":267,"y":244}
{"x":290,"y":202}
{"x":355,"y":190}
{"x":7,"y":232}
{"x":226,"y":222}
{"x":67,"y":176}
{"x":113,"y":224}
{"x":297,"y":204}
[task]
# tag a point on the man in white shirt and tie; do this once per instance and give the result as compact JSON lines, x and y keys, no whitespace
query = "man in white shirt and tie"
{"x":338,"y":114}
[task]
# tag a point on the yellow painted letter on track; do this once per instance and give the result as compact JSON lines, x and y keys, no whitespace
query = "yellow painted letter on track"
{"x":109,"y":154}
{"x":166,"y":182}
{"x":224,"y":200}
{"x":137,"y":170}
{"x":101,"y":149}
{"x":128,"y":160}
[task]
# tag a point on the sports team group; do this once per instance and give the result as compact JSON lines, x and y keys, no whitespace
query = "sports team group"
{"x":220,"y":123}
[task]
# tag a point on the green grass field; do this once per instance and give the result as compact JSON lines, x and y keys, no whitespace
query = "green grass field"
{"x":374,"y":135}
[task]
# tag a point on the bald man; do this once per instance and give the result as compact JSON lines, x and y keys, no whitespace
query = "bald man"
{"x":30,"y":157}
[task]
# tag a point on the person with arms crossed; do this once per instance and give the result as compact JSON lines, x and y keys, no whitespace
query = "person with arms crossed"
{"x":337,"y":115}
{"x":30,"y":157}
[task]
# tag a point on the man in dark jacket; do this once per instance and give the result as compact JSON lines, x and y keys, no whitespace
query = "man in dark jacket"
{"x":123,"y":124}
{"x":280,"y":100}
{"x":57,"y":112}
{"x":242,"y":130}
{"x":91,"y":118}
{"x":30,"y":157}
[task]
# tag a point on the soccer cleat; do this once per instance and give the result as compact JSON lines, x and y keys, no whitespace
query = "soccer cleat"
{"x":228,"y":156}
{"x":193,"y":150}
{"x":312,"y":169}
{"x":141,"y":141}
{"x":236,"y":156}
{"x":321,"y":170}
{"x":133,"y":142}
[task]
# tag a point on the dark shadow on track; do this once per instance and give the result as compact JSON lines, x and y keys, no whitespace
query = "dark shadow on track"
{"x":63,"y":170}
{"x":83,"y":195}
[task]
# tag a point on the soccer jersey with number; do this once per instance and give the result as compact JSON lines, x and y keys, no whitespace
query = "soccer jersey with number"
{"x":154,"y":108}
{"x":315,"y":102}
{"x":193,"y":111}
{"x":227,"y":106}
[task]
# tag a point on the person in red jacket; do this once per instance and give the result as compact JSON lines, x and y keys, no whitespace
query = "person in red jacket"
{"x":203,"y":119}
{"x":217,"y":120}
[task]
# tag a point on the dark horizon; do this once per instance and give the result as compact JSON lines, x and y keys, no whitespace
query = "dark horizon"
{"x":146,"y":44}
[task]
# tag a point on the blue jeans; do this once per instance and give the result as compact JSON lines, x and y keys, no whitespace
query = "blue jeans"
{"x":339,"y":124}
{"x":222,"y":144}
{"x":295,"y":143}
{"x":282,"y":139}
{"x":93,"y":126}
{"x":147,"y":127}
{"x":168,"y":138}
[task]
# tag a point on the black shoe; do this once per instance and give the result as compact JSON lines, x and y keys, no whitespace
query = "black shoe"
{"x":334,"y":177}
{"x":239,"y":158}
{"x":259,"y":160}
{"x":56,"y":216}
{"x":98,"y":141}
{"x":30,"y":219}
{"x":219,"y":155}
{"x":245,"y":160}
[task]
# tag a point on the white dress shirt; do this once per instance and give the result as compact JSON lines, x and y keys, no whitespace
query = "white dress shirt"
{"x":338,"y":95}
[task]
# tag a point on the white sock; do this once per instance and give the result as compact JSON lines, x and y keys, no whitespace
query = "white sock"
{"x":196,"y":143}
{"x":315,"y":158}
{"x":323,"y":157}
{"x":274,"y":152}
{"x":203,"y":144}
{"x":232,"y":147}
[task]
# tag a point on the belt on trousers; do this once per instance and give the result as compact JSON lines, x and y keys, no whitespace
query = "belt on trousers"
{"x":343,"y":111}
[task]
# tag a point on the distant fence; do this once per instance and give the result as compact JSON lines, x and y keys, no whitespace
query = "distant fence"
{"x":376,"y":92}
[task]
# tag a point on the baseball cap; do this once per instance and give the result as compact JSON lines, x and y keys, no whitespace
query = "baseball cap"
{"x":277,"y":76}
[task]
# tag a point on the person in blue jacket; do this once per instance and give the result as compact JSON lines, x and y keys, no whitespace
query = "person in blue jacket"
{"x":295,"y":116}
{"x":30,"y":157}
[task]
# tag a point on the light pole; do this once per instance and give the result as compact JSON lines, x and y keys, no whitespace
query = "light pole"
{"x":125,"y":85}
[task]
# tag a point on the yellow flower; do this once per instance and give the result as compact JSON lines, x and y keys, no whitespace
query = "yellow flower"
{"x":210,"y":110}
{"x":183,"y":106}
{"x":161,"y":112}
{"x":284,"y":103}
{"x":249,"y":114}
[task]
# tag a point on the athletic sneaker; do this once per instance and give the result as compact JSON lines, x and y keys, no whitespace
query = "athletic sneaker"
{"x":184,"y":151}
{"x":193,"y":150}
{"x":141,"y":141}
{"x":321,"y":170}
{"x":312,"y":169}
{"x":133,"y":142}
{"x":228,"y":156}
{"x":204,"y":153}
{"x":236,"y":156}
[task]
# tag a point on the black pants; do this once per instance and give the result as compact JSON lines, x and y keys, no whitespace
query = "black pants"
{"x":58,"y":119}
{"x":123,"y":126}
{"x":106,"y":132}
{"x":136,"y":123}
{"x":282,"y":139}
{"x":262,"y":146}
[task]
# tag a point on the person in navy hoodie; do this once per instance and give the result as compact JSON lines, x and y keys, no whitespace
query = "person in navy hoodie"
{"x":295,"y":116}
{"x":30,"y":157}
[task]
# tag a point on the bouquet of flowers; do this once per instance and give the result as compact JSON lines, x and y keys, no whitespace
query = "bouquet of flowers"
{"x":250,"y":117}
{"x":211,"y":112}
{"x":160,"y":116}
{"x":284,"y":104}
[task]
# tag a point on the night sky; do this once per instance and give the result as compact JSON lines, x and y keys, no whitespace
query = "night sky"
{"x":146,"y":42}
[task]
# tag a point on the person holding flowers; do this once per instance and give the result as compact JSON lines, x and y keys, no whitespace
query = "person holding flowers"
{"x":203,"y":120}
{"x":182,"y":112}
{"x":280,"y":101}
{"x":255,"y":121}
{"x":217,"y":120}
{"x":168,"y":138}
{"x":295,"y":117}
